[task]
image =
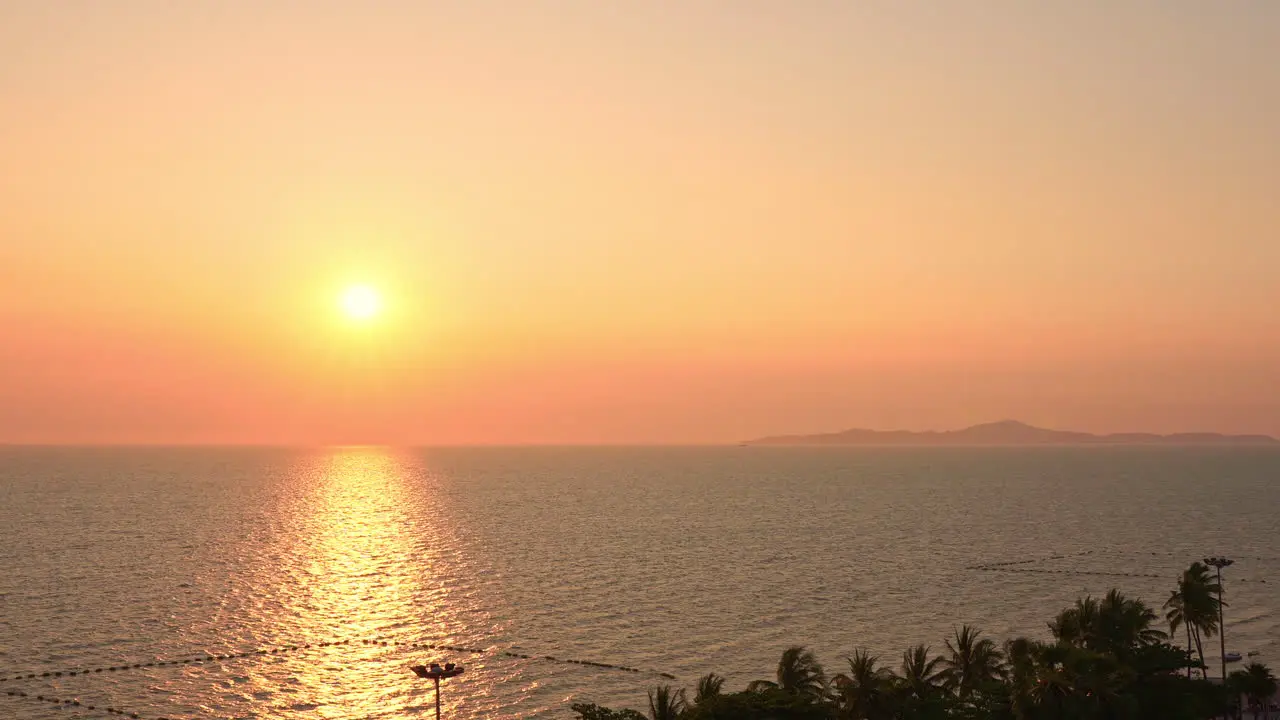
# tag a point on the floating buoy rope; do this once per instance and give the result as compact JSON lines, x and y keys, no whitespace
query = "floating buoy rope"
{"x":1012,"y":566}
{"x":260,"y":654}
{"x":69,"y":703}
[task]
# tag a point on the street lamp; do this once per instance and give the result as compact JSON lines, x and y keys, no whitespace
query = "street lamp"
{"x":437,"y":673}
{"x":1220,"y":563}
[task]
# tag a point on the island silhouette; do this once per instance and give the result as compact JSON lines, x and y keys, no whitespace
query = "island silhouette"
{"x":1008,"y":432}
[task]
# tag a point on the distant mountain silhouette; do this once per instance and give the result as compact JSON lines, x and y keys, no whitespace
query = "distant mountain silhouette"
{"x":1009,"y":432}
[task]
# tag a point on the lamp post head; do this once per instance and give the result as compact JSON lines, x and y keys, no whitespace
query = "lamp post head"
{"x":435,"y":672}
{"x":1218,"y":562}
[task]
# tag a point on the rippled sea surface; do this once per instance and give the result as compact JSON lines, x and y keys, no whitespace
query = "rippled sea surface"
{"x":673,"y":560}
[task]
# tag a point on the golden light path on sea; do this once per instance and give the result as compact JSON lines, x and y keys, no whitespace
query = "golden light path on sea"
{"x":365,"y":556}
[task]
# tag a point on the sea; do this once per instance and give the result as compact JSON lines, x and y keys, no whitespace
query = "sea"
{"x":304,"y":583}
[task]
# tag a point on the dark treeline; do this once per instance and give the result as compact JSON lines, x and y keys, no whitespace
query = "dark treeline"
{"x":1109,"y":659}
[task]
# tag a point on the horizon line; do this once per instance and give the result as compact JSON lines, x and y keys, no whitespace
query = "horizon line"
{"x":328,"y":446}
{"x":754,"y":444}
{"x":740,"y":442}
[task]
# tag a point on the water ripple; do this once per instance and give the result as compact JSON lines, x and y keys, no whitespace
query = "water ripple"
{"x":187,"y":568}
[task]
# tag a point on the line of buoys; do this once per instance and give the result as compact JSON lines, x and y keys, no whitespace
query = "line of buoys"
{"x":509,"y":654}
{"x":1047,"y":558}
{"x":588,"y":663}
{"x":1184,"y":557}
{"x":1111,"y":553}
{"x":73,"y":703}
{"x":428,"y":646}
{"x":261,"y":653}
{"x":1008,"y":566}
{"x":506,"y":653}
{"x":1070,"y":572}
{"x":1126,"y":553}
{"x":203,"y":658}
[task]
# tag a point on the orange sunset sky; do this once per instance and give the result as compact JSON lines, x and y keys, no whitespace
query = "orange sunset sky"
{"x":635,"y":220}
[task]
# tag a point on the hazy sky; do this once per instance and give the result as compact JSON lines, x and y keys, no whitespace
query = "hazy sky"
{"x":633,"y":221}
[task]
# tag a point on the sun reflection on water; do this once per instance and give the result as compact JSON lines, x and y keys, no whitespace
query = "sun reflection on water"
{"x":366,"y":558}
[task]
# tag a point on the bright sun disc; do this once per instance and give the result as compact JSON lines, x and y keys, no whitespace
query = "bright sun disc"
{"x":361,"y":302}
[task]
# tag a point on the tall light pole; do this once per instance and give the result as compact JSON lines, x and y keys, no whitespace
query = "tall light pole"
{"x":1220,"y":563}
{"x":437,"y":673}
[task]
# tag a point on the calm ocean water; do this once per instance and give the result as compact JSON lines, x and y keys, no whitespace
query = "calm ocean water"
{"x":677,"y":560}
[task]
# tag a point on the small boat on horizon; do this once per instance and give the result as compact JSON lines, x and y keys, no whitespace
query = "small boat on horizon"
{"x":1232,"y":657}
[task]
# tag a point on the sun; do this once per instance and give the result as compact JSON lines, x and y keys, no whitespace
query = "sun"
{"x":361,"y":302}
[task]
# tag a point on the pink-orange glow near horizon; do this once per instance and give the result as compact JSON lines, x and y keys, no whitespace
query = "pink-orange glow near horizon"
{"x":635,"y":221}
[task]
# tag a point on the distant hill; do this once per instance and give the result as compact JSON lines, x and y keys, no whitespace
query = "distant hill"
{"x":1009,"y":432}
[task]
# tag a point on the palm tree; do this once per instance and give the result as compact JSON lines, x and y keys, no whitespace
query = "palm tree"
{"x":709,"y":686}
{"x":1116,"y":625}
{"x":666,"y":704}
{"x":1066,"y":681}
{"x":1026,"y":681}
{"x":1050,"y":683}
{"x":1199,"y":592}
{"x":1125,"y":624}
{"x":920,"y":673}
{"x":1256,"y":682}
{"x":799,"y":673}
{"x":1074,"y":625}
{"x":972,"y":662}
{"x":1177,"y":615}
{"x":1098,"y":680}
{"x":863,"y":693}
